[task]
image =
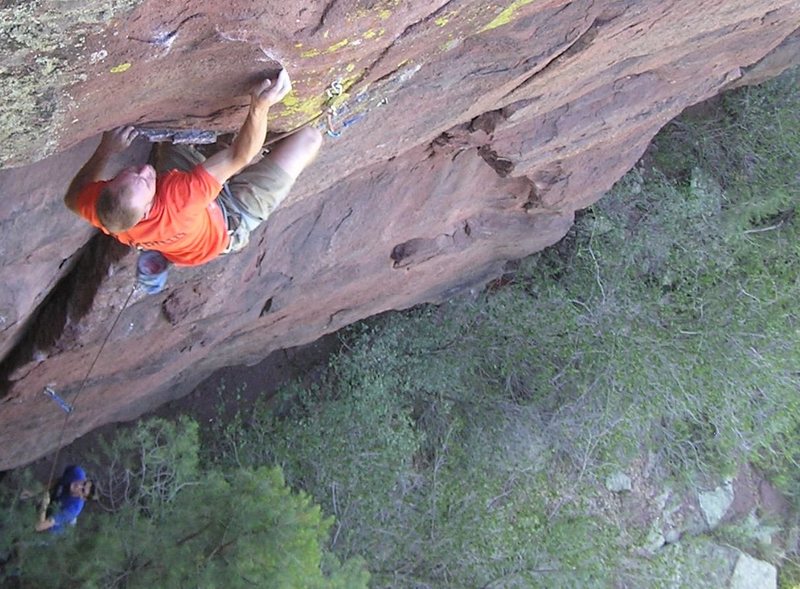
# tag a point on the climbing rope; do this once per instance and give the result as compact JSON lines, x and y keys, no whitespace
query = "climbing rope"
{"x":83,"y":385}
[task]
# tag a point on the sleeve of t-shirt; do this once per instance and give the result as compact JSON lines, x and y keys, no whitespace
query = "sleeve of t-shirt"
{"x":193,"y":189}
{"x":85,"y":203}
{"x":69,"y":509}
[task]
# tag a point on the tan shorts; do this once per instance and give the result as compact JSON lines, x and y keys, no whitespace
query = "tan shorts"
{"x":255,"y":192}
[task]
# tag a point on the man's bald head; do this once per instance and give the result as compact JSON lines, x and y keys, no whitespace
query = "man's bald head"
{"x":127,"y":199}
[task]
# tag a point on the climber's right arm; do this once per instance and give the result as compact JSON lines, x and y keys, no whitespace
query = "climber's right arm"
{"x":248,"y":142}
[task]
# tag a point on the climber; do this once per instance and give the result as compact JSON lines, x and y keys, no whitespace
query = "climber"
{"x":189,"y":208}
{"x":69,"y":495}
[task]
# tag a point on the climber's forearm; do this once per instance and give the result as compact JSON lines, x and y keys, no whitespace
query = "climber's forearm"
{"x":251,"y":136}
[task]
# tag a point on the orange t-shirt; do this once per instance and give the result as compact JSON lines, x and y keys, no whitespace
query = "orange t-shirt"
{"x":185,"y":223}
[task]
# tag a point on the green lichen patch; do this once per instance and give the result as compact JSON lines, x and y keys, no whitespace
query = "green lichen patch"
{"x":43,"y":42}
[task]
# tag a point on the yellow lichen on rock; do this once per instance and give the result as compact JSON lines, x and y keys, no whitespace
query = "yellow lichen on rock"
{"x":336,"y":46}
{"x":372,"y":33}
{"x":118,"y":69}
{"x":307,"y":108}
{"x":506,"y":15}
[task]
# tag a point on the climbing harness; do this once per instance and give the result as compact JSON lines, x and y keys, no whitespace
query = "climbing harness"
{"x":56,"y":397}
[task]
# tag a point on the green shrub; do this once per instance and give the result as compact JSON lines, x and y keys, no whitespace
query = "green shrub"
{"x":172,"y":524}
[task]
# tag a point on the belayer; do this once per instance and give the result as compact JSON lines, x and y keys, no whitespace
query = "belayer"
{"x":62,"y":504}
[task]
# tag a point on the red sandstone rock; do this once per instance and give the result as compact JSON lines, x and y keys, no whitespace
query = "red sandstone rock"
{"x":477,"y":131}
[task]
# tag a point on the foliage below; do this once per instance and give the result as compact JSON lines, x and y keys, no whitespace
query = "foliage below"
{"x":465,"y":445}
{"x":176,"y":525}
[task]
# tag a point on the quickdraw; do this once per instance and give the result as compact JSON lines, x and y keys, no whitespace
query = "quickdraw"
{"x":58,"y":399}
{"x":334,"y":90}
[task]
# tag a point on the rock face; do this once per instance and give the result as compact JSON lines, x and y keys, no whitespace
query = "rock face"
{"x":474,"y":131}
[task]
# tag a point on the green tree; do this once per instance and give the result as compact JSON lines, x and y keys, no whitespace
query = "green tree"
{"x":182,"y":526}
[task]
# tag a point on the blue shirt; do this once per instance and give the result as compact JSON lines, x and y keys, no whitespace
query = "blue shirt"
{"x":67,"y":507}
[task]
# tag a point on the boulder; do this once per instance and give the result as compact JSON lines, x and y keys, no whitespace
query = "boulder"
{"x":751,"y":573}
{"x":714,"y":504}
